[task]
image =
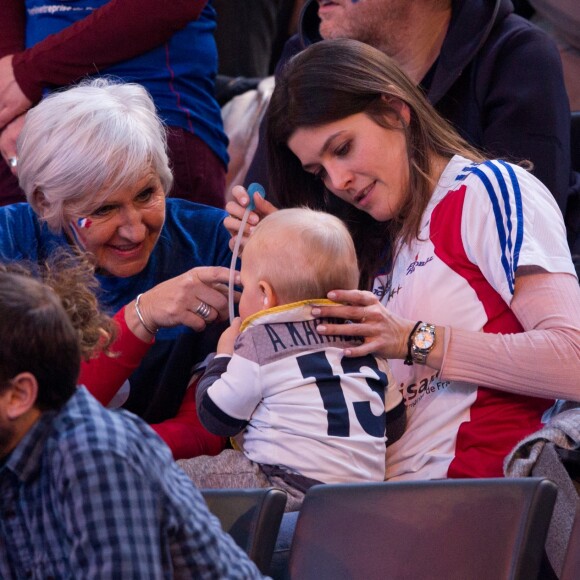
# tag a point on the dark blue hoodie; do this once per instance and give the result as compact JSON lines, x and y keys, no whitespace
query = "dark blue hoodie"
{"x":498,"y":80}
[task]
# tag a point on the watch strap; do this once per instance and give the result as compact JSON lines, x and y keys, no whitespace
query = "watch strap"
{"x":418,"y":356}
{"x":409,"y":358}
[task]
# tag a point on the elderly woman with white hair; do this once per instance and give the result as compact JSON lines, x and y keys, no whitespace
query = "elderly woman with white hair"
{"x":94,"y":167}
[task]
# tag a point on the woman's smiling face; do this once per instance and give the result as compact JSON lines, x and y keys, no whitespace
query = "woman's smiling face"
{"x":123,"y":231}
{"x":359,"y":161}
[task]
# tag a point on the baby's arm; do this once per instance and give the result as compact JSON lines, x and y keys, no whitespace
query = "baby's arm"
{"x":228,"y":338}
{"x":229,"y":390}
{"x":211,"y":416}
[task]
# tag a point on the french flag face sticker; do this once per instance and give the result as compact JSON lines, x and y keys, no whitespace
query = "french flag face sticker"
{"x":84,"y":223}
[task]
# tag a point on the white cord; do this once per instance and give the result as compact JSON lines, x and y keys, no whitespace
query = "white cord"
{"x":233,"y":263}
{"x":252,"y":189}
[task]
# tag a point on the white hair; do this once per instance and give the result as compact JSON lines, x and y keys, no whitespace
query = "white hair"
{"x":81,"y":144}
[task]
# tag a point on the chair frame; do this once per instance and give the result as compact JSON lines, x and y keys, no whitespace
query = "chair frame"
{"x":448,"y":529}
{"x":252,"y":517}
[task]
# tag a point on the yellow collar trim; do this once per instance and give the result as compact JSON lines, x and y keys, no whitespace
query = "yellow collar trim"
{"x":285,"y":307}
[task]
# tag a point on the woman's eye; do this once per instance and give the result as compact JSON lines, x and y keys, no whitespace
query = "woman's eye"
{"x":103,"y":210}
{"x":146,"y":194}
{"x":342,"y":150}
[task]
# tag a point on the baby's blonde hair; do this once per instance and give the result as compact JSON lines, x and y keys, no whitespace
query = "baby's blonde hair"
{"x":303,"y":254}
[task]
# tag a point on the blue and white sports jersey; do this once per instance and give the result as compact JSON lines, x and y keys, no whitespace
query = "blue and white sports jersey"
{"x":483,"y":222}
{"x":310,"y":409}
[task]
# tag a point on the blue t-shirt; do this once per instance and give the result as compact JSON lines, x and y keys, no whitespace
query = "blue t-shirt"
{"x":179,"y":74}
{"x":193,"y":235}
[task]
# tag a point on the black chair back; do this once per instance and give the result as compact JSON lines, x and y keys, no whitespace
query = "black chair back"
{"x":481,"y":529}
{"x":252,"y":517}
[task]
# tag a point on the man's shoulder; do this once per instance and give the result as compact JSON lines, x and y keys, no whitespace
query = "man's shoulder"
{"x":517,"y":40}
{"x":520,"y":34}
{"x":84,"y":428}
{"x":482,"y":31}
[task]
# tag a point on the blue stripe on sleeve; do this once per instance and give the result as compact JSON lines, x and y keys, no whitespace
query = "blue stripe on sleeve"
{"x":502,"y":234}
{"x":519,"y":213}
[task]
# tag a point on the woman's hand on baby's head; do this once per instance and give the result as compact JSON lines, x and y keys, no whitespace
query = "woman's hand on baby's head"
{"x":228,"y":337}
{"x":236,"y":208}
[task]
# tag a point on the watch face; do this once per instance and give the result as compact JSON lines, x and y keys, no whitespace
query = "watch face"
{"x":424,"y":339}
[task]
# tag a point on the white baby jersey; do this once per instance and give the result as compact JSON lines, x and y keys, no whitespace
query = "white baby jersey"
{"x":310,"y":409}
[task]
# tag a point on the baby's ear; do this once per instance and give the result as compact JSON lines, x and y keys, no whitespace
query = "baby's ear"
{"x":269,"y":295}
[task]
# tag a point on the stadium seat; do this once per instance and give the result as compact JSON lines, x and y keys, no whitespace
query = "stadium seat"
{"x":251,"y":516}
{"x":485,"y":529}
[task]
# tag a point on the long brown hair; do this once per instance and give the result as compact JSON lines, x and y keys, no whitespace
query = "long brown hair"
{"x":334,"y":79}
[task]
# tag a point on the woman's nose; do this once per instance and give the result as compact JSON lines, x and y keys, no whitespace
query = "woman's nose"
{"x":132,"y":226}
{"x":340,"y":177}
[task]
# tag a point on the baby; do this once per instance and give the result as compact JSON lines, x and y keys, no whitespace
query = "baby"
{"x":300,"y":412}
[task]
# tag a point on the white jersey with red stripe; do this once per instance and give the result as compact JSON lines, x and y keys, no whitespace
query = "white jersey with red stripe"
{"x":482,"y":223}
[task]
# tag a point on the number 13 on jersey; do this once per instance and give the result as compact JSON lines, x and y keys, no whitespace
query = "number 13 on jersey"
{"x":317,"y":366}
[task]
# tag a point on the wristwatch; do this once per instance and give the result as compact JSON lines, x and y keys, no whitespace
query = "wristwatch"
{"x":421,"y":342}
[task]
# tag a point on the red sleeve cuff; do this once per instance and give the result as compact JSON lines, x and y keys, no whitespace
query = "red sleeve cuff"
{"x":104,"y":375}
{"x":185,"y":435}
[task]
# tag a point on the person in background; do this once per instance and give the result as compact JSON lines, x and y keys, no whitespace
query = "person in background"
{"x":474,"y":301}
{"x":496,"y":77}
{"x":88,"y":492}
{"x":301,"y":412}
{"x":250,"y":41}
{"x":168,"y":48}
{"x":94,"y":167}
{"x":561,"y":20}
